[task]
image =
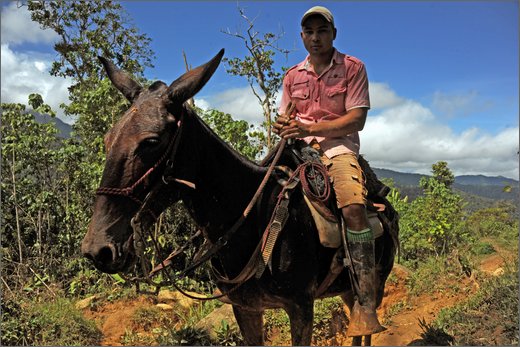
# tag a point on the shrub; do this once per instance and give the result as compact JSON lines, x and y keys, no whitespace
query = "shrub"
{"x":53,"y":322}
{"x":488,"y":318}
{"x":449,"y":268}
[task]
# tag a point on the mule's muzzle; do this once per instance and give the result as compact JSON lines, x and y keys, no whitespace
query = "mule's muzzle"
{"x":109,"y":257}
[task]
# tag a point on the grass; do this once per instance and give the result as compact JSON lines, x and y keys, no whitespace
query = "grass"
{"x":329,"y":320}
{"x":395,"y":309}
{"x":53,"y":322}
{"x":447,"y":268}
{"x":488,"y":318}
{"x":277,"y":327}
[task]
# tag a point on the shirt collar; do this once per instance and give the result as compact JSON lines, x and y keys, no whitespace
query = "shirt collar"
{"x":336,"y":59}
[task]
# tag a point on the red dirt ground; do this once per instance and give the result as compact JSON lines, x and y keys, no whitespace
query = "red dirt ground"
{"x":402,"y":324}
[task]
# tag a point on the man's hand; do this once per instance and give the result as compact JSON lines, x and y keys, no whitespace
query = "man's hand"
{"x":294,"y":129}
{"x":286,"y":126}
{"x":282,"y":121}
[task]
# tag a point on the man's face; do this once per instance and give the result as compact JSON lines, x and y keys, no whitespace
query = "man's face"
{"x":317,"y":35}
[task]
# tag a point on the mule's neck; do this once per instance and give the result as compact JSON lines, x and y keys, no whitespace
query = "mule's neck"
{"x":225,"y":181}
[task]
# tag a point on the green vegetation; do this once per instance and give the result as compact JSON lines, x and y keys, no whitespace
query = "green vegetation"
{"x":258,"y":68}
{"x":329,"y":320}
{"x":51,"y":322}
{"x":47,"y":185}
{"x":488,"y":318}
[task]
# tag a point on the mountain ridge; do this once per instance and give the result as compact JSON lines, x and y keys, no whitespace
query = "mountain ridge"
{"x":401,"y":179}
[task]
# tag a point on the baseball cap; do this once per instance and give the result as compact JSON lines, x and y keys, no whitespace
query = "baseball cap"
{"x":322,"y":11}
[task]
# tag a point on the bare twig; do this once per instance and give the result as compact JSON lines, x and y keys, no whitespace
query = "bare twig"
{"x":7,"y":286}
{"x":35,"y":274}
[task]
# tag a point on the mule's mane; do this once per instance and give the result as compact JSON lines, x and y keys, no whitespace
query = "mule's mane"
{"x":192,"y":114}
{"x":156,"y":85}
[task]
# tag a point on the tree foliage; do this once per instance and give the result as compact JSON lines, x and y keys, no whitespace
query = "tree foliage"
{"x":88,"y":29}
{"x":48,"y":183}
{"x":258,"y":68}
{"x":237,"y":133}
{"x":30,"y":188}
{"x":431,"y":224}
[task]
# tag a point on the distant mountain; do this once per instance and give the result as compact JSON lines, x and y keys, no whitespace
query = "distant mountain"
{"x":412,"y":179}
{"x":64,"y":128}
{"x":400,"y":178}
{"x":482,"y":180}
{"x":494,"y":188}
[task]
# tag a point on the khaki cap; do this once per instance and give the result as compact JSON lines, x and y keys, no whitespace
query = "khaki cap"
{"x":322,"y":11}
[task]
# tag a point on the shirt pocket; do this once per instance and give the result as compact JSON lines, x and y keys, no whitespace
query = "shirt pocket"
{"x":336,"y":99}
{"x":300,"y":94}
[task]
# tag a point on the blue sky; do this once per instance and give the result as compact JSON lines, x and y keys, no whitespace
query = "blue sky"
{"x":443,"y":75}
{"x":462,"y":49}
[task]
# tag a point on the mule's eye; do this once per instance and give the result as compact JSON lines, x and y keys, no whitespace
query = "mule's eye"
{"x":150,"y":142}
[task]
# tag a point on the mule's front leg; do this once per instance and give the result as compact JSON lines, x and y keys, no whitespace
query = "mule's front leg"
{"x":251,"y":325}
{"x":301,"y":314}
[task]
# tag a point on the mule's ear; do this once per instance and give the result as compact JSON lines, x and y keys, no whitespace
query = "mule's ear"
{"x":121,"y":80}
{"x":192,"y":81}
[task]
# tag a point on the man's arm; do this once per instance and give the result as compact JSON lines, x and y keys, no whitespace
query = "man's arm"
{"x":352,"y":121}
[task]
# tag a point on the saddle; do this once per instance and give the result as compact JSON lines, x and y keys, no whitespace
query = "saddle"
{"x":326,"y":215}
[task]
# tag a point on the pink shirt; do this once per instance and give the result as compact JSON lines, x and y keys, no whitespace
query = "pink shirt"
{"x":341,"y":87}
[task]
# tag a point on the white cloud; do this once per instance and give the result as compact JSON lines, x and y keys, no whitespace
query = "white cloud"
{"x":26,"y":73}
{"x":404,"y":135}
{"x":410,"y":138}
{"x":381,"y":96}
{"x":238,"y":102}
{"x":459,"y":103}
{"x":17,"y":27}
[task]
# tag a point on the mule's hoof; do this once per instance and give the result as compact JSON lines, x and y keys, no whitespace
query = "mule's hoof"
{"x":363,"y":321}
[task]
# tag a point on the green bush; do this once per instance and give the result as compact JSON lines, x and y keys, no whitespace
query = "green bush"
{"x":425,"y":278}
{"x":431,"y":224}
{"x":329,"y":320}
{"x":185,"y":336}
{"x":228,"y":335}
{"x":48,"y":323}
{"x":483,"y":248}
{"x":488,"y":318}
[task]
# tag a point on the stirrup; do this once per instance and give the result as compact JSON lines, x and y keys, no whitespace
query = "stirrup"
{"x":363,"y":321}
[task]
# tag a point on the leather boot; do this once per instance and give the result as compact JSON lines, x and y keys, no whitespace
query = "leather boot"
{"x":363,"y":318}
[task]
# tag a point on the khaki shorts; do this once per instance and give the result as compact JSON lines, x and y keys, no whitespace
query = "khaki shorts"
{"x":347,"y":178}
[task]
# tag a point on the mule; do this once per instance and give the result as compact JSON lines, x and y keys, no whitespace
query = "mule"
{"x":215,"y":183}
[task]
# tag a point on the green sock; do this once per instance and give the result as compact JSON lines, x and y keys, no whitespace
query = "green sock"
{"x":364,"y":235}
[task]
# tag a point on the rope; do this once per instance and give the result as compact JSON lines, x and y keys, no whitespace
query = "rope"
{"x":315,"y":169}
{"x":129,"y":191}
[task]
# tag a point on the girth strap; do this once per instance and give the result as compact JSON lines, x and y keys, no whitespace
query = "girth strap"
{"x":280,"y":216}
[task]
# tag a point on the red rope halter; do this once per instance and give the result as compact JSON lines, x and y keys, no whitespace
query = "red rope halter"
{"x":130,"y":190}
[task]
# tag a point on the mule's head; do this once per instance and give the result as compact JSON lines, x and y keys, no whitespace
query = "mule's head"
{"x":136,"y":148}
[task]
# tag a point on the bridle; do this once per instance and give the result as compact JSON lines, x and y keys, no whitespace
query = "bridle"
{"x":138,"y":232}
{"x":129,"y":192}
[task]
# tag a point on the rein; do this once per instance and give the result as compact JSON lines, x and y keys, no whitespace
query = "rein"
{"x":223,"y":240}
{"x":138,"y":236}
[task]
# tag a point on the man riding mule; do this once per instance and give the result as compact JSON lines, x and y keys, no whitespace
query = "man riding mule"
{"x":161,"y":152}
{"x":330,"y":90}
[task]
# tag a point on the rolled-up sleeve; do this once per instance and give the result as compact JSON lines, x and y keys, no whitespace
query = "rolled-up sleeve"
{"x":286,"y":95}
{"x":357,"y":86}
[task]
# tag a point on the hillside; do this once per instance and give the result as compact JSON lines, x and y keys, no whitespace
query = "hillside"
{"x":63,"y":128}
{"x":488,"y":188}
